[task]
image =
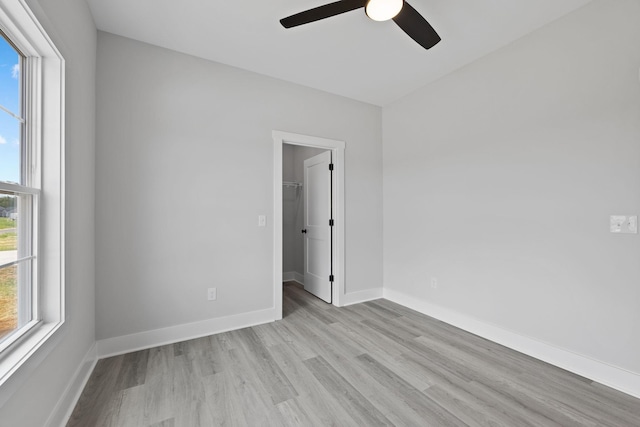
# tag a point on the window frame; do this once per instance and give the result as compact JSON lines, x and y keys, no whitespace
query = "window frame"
{"x":44,"y":70}
{"x":28,"y":313}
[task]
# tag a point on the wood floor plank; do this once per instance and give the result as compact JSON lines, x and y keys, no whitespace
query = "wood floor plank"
{"x":225,"y":399}
{"x":310,"y":311}
{"x":268,"y":334}
{"x":369,"y":364}
{"x":319,"y":406}
{"x":159,"y":360}
{"x":567,"y":390}
{"x":291,"y":337}
{"x":187,"y":389}
{"x":171,"y":422}
{"x":193,"y":413}
{"x":296,"y":289}
{"x":509,"y":361}
{"x":202,"y":357}
{"x":508,"y":393}
{"x":429,"y":411}
{"x":387,"y":312}
{"x":350,"y":399}
{"x":133,"y":370}
{"x":402,"y":310}
{"x":127,"y":414}
{"x":453,"y":372}
{"x":475,"y":411}
{"x":617,"y":399}
{"x":293,"y":368}
{"x":383,"y":342}
{"x":264,"y":366}
{"x":581,"y":400}
{"x":369,"y":313}
{"x":95,"y":397}
{"x":158,"y":390}
{"x":344,"y":316}
{"x":323,"y":335}
{"x":516,"y":397}
{"x":494,"y":354}
{"x":388,"y":356}
{"x":294,"y":414}
{"x":392,"y":406}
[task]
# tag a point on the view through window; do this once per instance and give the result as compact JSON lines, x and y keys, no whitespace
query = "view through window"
{"x":15,"y":303}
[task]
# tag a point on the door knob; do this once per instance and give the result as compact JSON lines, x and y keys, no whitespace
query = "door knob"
{"x":304,"y":231}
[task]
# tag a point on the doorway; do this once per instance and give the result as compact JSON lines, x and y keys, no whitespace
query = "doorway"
{"x":306,"y":219}
{"x":289,"y":196}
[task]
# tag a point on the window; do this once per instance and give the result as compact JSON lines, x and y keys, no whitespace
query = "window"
{"x":18,"y":197}
{"x":31,"y":189}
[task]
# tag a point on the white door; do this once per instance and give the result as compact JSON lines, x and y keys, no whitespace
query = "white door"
{"x":317,"y":232}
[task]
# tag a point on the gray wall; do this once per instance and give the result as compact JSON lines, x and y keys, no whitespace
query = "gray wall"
{"x":499,"y":180}
{"x":293,"y":157}
{"x":184,"y":168}
{"x":291,"y":204}
{"x":71,"y":27}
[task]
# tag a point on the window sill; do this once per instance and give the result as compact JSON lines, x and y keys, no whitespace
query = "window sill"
{"x":18,"y":363}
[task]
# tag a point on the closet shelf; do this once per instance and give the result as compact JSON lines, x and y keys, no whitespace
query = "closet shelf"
{"x":291,"y":184}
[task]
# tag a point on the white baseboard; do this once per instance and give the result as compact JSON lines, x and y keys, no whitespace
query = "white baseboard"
{"x":288,"y":276}
{"x":360,"y":296}
{"x":172,"y":334}
{"x":293,"y":276}
{"x":67,"y":402}
{"x":612,"y":376}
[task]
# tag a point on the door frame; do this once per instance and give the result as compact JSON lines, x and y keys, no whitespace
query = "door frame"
{"x":337,"y":157}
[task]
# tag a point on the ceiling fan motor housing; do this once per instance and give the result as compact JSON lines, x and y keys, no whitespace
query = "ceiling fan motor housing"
{"x":383,"y":10}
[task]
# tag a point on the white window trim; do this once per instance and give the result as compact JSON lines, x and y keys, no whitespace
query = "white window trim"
{"x":47,"y":127}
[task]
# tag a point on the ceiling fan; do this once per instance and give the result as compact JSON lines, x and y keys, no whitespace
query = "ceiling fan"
{"x":407,"y":18}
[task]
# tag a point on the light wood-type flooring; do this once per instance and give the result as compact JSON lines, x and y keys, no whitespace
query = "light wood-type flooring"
{"x":370,"y":364}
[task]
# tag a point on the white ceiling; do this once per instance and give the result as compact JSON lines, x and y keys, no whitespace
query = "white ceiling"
{"x":348,"y":55}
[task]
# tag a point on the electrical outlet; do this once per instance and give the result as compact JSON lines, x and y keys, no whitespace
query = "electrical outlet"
{"x":212,"y":294}
{"x":623,"y":224}
{"x":434,"y":283}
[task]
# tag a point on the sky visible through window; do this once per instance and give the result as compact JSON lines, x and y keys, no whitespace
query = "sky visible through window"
{"x":9,"y":126}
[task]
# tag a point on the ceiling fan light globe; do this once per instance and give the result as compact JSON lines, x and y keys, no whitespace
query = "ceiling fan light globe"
{"x":383,"y":10}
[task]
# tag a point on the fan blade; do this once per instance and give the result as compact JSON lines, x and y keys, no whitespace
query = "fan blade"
{"x":416,"y":27}
{"x":322,"y":12}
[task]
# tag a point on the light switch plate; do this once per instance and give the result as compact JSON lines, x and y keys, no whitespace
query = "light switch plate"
{"x":623,"y":224}
{"x":262,"y":221}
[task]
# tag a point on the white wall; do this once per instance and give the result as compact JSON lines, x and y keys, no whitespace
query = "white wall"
{"x":70,"y":25}
{"x":293,"y":157}
{"x":184,"y":168}
{"x":499,"y":180}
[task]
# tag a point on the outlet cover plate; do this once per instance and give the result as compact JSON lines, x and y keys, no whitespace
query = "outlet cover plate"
{"x":623,"y":224}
